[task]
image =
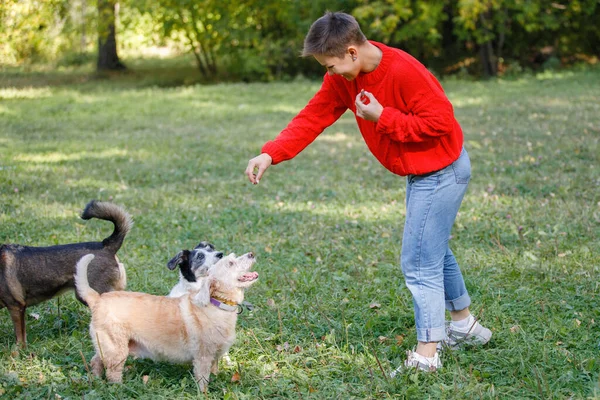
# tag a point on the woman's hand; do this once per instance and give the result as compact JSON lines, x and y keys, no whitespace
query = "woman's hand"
{"x":367,"y":106}
{"x":259,"y":164}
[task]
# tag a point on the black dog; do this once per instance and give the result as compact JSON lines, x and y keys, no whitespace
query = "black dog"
{"x":30,"y":275}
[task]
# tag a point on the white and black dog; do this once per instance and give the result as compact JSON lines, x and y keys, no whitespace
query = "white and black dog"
{"x":193,"y":266}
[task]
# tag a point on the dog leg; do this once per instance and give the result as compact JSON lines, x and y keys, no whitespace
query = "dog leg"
{"x":214,"y":369}
{"x":97,"y":365}
{"x":215,"y":363}
{"x":111,"y":353}
{"x":114,"y":368}
{"x":18,"y":318}
{"x":202,"y":366}
{"x":122,"y":283}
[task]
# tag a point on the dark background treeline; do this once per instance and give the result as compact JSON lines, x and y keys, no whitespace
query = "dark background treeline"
{"x":261,"y":39}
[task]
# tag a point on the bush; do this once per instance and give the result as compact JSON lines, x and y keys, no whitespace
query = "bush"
{"x":76,"y":59}
{"x":551,"y":64}
{"x":245,"y":65}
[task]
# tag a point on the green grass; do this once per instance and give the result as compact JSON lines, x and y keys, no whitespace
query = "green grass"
{"x":326,"y":228}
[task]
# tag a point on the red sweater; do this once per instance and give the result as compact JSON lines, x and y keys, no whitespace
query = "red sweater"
{"x":416,"y":133}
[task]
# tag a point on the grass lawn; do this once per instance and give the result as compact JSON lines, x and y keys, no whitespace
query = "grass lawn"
{"x":332,"y":313}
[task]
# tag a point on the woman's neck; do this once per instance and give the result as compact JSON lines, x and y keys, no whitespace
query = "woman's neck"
{"x":371,"y":56}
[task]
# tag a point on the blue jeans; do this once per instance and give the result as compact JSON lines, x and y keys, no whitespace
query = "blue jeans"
{"x":430,"y":269}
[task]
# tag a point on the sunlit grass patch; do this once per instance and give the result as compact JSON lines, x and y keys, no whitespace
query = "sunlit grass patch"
{"x":56,"y":157}
{"x":24,"y":93}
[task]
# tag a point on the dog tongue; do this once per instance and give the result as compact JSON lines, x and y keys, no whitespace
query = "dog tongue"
{"x":250,"y":276}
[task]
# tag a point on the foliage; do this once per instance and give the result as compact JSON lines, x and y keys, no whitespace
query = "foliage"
{"x":332,"y":314}
{"x":514,"y":27}
{"x":408,"y":24}
{"x":260,"y":40}
{"x":249,"y":40}
{"x":30,"y":31}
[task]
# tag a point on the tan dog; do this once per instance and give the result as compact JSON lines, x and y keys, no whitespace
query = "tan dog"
{"x":198,"y":327}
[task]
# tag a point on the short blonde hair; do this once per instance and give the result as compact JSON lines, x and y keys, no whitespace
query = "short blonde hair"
{"x":331,"y":35}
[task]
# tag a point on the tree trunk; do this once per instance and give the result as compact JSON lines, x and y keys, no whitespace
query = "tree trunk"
{"x":203,"y":45}
{"x":108,"y":60}
{"x":83,"y":31}
{"x":489,"y":61}
{"x":452,"y":46}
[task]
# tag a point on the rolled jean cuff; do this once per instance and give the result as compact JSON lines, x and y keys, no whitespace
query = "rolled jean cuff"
{"x":458,"y":304}
{"x":431,"y":334}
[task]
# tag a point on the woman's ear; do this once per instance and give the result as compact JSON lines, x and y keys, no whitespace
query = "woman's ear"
{"x":353,"y":52}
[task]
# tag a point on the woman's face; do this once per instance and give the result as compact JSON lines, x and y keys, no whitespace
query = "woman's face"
{"x":346,"y":66}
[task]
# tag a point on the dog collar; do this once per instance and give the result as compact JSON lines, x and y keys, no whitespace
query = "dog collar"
{"x":225,"y":305}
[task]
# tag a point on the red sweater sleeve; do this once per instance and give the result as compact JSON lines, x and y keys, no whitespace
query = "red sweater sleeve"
{"x":430,"y":113}
{"x":321,"y":111}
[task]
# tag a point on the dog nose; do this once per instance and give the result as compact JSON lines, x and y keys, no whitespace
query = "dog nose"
{"x":219,"y":255}
{"x":251,"y":255}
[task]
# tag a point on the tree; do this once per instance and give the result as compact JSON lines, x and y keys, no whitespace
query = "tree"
{"x":565,"y":26}
{"x":108,"y":60}
{"x":200,"y":24}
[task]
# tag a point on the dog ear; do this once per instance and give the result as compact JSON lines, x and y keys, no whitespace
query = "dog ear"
{"x":203,"y":245}
{"x":202,"y":297}
{"x":181,"y":257}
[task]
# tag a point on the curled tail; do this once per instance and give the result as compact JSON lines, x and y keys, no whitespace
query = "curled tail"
{"x":89,"y":295}
{"x":110,"y":212}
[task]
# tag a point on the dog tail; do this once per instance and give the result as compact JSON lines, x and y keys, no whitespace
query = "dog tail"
{"x":84,"y":290}
{"x":110,"y":212}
